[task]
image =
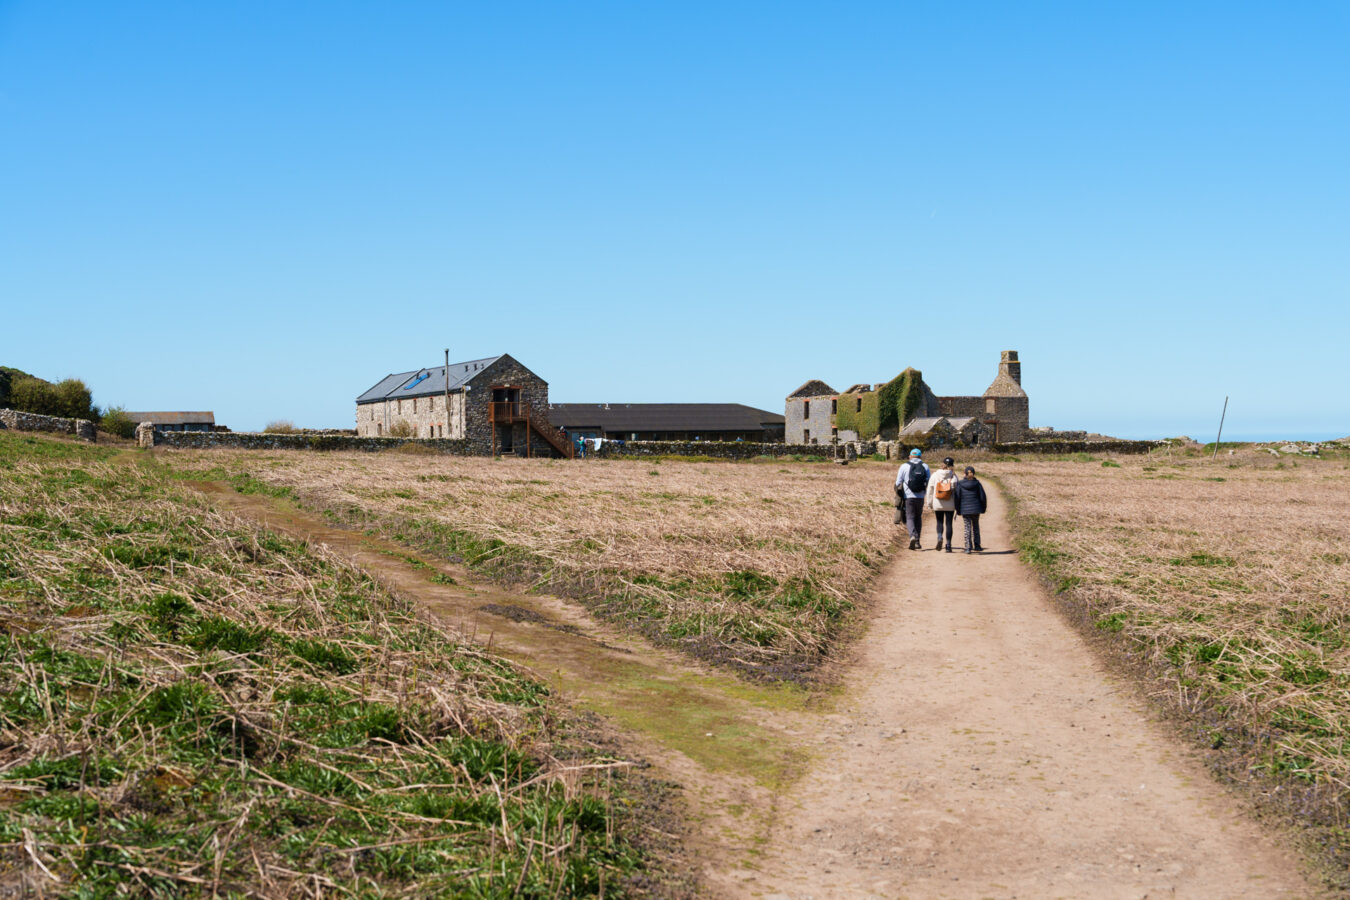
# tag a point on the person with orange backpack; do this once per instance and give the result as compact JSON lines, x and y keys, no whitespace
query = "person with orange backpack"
{"x":942,"y":500}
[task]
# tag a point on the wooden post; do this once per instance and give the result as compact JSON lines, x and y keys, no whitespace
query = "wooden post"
{"x":1222,"y":416}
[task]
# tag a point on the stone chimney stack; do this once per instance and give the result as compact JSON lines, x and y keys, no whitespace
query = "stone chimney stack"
{"x":1008,"y":365}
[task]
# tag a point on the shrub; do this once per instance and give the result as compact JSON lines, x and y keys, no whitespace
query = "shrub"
{"x":279,"y":426}
{"x":401,"y":429}
{"x":70,"y":398}
{"x":116,"y":421}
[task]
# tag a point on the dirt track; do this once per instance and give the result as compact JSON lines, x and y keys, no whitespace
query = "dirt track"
{"x":977,"y":749}
{"x":982,"y":752}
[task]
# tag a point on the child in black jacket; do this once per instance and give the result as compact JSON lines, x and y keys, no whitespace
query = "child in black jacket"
{"x":971,"y":503}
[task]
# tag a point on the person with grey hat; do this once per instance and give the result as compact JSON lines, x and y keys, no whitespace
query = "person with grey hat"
{"x":912,"y":481}
{"x":942,"y":500}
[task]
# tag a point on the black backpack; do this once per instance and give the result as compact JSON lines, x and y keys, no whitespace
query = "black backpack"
{"x":918,"y":479}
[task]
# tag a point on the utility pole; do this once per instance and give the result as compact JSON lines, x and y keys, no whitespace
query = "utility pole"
{"x":1222,"y":416}
{"x":447,"y":390}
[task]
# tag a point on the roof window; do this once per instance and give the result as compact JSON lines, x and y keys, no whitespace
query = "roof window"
{"x":416,"y":381}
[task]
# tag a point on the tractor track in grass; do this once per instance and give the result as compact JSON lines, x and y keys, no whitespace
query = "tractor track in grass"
{"x":975,"y":746}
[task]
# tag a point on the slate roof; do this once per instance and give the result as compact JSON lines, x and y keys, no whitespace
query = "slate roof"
{"x":173,"y":418}
{"x":921,"y":425}
{"x":630,"y":417}
{"x":405,"y":384}
{"x":813,"y":388}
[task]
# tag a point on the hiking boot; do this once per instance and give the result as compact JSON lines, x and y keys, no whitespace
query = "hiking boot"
{"x":979,"y":549}
{"x":913,"y":544}
{"x":949,"y":548}
{"x":939,"y":546}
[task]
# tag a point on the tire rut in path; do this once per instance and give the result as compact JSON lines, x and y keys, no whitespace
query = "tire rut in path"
{"x":730,"y":745}
{"x":981,"y":751}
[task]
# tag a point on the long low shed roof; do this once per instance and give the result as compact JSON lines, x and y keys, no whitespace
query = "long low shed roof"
{"x":662,"y":416}
{"x":173,"y":418}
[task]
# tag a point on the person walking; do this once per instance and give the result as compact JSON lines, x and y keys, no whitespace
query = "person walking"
{"x":971,"y":503}
{"x":941,"y":500}
{"x":912,"y":479}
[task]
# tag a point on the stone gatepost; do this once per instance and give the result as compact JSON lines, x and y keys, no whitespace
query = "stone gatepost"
{"x":85,"y":431}
{"x":145,"y":435}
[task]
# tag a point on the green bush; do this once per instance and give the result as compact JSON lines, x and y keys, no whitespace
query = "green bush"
{"x":70,"y":398}
{"x":401,"y":429}
{"x":116,"y":421}
{"x":279,"y":426}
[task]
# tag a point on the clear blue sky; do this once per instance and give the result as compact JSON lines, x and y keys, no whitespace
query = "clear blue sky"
{"x":263,"y":208}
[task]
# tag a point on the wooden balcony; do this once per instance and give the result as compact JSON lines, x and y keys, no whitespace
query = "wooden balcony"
{"x":507,"y":412}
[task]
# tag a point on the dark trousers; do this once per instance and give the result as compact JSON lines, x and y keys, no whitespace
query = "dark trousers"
{"x":914,"y":516}
{"x":972,"y":532}
{"x":944,"y":517}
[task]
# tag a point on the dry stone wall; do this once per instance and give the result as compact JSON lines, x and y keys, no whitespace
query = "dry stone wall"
{"x":24,"y":421}
{"x":259,"y":441}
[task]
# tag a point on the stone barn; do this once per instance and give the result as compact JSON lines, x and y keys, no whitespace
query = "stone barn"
{"x":496,"y":404}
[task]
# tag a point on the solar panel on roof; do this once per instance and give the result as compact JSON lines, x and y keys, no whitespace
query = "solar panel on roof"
{"x":416,"y":381}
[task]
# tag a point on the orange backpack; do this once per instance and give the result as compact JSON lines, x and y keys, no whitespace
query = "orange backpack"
{"x":943,"y":489}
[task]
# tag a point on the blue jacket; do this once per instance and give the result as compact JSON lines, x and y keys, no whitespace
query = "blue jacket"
{"x":970,"y":498}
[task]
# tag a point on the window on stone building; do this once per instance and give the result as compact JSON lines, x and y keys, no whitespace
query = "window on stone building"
{"x":834,"y":432}
{"x":806,"y":436}
{"x":859,"y":409}
{"x":806,"y":409}
{"x":834,"y":406}
{"x":989,"y":406}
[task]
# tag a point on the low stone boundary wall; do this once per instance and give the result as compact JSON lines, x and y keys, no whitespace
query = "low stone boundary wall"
{"x":24,"y":421}
{"x":896,"y":450}
{"x":715,"y":449}
{"x":259,"y":441}
{"x":1079,"y":447}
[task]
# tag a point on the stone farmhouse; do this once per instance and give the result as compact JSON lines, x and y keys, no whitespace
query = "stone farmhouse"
{"x":906,"y":407}
{"x":496,"y":404}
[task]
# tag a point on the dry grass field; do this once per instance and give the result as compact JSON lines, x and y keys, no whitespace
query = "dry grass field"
{"x":191,"y":705}
{"x":1232,"y":577}
{"x":752,"y":565}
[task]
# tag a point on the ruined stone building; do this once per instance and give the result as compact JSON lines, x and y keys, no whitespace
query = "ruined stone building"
{"x":496,"y":404}
{"x":906,"y":407}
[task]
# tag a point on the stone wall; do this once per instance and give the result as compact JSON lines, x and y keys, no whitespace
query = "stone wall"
{"x":809,"y":414}
{"x":1107,"y":446}
{"x":258,"y":441}
{"x":24,"y":421}
{"x":960,"y":407}
{"x":426,"y":415}
{"x":717,"y":449}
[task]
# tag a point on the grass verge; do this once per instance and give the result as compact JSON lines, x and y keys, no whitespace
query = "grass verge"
{"x":193,"y":706}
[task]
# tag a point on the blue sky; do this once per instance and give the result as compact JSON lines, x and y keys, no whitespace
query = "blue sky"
{"x":262,"y":208}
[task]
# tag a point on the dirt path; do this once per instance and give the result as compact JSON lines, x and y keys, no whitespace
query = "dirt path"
{"x":982,"y":752}
{"x":976,"y":749}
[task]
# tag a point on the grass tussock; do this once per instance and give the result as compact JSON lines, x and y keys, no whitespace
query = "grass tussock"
{"x":1230,"y":577}
{"x":755,"y":566}
{"x":192,"y":706}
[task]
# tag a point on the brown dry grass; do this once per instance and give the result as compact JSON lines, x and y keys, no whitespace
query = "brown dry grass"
{"x":757,"y":564}
{"x":1232,"y":578}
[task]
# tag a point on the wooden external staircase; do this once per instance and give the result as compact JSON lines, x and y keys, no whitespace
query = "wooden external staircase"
{"x":512,"y":411}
